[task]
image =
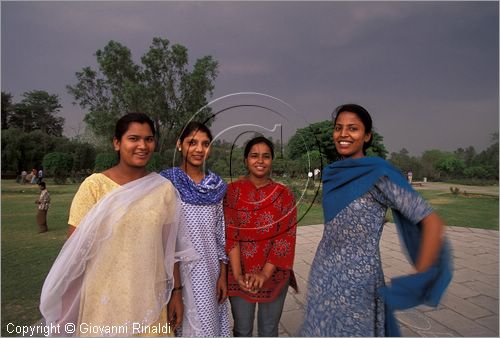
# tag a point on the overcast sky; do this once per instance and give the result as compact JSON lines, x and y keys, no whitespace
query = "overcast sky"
{"x":427,"y":71}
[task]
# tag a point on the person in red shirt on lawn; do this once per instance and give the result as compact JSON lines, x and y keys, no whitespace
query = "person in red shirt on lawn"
{"x":261,"y":225}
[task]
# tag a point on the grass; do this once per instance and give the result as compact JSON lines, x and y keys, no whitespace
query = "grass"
{"x":310,"y":214}
{"x":473,"y":211}
{"x":27,"y":256}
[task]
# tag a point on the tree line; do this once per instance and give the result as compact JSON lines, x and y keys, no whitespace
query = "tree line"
{"x":462,"y":164}
{"x":164,"y":86}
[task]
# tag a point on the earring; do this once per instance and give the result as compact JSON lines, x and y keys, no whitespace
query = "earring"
{"x":180,"y":149}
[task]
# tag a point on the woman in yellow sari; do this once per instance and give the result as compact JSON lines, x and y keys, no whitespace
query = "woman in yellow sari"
{"x":125,"y":268}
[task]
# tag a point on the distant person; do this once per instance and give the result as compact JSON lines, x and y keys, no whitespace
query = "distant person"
{"x":261,"y":225}
{"x":317,"y":172}
{"x":43,"y":202}
{"x":346,"y":293}
{"x":410,"y":176}
{"x":123,"y":263}
{"x":33,"y":176}
{"x":40,"y":175}
{"x":23,"y":176}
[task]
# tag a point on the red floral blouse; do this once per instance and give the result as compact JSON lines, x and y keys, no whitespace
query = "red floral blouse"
{"x":264,"y":222}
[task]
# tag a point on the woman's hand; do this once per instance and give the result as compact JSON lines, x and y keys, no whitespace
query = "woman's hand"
{"x":175,"y":310}
{"x":222,"y":288}
{"x":243,"y":283}
{"x":256,"y":280}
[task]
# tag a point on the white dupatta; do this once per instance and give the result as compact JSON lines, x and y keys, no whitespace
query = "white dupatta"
{"x":72,"y":288}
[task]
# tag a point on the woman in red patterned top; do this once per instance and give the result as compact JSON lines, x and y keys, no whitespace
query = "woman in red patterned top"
{"x":261,"y":223}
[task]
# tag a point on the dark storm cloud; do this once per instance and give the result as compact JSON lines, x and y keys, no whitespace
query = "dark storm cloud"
{"x":428,"y":71}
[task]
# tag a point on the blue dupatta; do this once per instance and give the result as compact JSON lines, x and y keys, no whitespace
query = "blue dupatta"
{"x":209,"y":191}
{"x":346,"y":180}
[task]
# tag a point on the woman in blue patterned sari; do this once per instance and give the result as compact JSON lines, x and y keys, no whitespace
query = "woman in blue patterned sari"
{"x":201,"y":194}
{"x":346,"y":291}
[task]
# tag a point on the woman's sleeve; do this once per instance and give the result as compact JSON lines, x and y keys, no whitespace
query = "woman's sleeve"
{"x":283,"y":246}
{"x":408,"y":202}
{"x":231,"y":219}
{"x":221,"y":235}
{"x":85,"y":198}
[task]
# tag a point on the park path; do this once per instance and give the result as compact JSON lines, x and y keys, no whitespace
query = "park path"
{"x":468,"y":308}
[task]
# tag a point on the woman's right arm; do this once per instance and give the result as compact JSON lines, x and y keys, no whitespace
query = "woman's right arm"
{"x":235,"y":261}
{"x":84,"y":199}
{"x":175,"y":305}
{"x":432,"y":240}
{"x":71,"y":229}
{"x":413,"y":207}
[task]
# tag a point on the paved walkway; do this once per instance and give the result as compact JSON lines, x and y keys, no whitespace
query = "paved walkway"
{"x":469,"y":307}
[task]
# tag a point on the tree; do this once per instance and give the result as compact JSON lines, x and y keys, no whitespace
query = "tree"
{"x":83,"y":155}
{"x":24,"y":151}
{"x":6,"y":109}
{"x":105,"y":161}
{"x":451,"y":166}
{"x":477,"y":172}
{"x":405,"y":163}
{"x":316,"y":136}
{"x":312,"y":160}
{"x":319,"y":136}
{"x":162,"y":87}
{"x":12,"y":150}
{"x":429,"y":161}
{"x":36,"y":111}
{"x":466,"y":155}
{"x":377,"y":148}
{"x":58,"y":165}
{"x":488,"y":159}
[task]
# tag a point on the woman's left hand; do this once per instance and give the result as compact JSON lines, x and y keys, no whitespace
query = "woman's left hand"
{"x":175,"y":310}
{"x":221,"y":288}
{"x":257,"y":280}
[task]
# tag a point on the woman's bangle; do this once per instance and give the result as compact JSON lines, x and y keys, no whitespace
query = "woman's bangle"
{"x":179,"y":288}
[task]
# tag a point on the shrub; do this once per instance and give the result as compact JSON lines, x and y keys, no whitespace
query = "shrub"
{"x":58,"y":165}
{"x":104,"y":161}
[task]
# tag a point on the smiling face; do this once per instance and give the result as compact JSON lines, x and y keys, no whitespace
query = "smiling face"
{"x":136,"y":145}
{"x":259,"y":160}
{"x":349,"y":135}
{"x":195,"y":148}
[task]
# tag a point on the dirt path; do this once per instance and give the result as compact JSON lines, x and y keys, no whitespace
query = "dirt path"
{"x":487,"y":190}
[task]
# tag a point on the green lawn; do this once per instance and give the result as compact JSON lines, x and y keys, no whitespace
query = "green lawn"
{"x":472,"y":211}
{"x":27,"y":256}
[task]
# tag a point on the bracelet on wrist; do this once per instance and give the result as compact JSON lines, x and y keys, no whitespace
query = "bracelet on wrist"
{"x":179,"y":288}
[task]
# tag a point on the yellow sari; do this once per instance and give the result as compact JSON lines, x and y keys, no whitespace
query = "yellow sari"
{"x":114,"y":275}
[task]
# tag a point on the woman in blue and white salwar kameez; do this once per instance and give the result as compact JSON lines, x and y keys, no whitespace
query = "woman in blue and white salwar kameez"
{"x":201,"y":194}
{"x":347,"y":295}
